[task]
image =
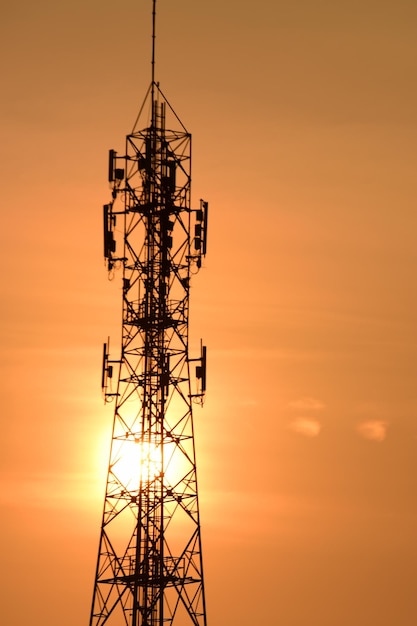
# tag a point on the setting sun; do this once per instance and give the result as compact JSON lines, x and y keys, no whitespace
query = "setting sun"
{"x":135,"y":462}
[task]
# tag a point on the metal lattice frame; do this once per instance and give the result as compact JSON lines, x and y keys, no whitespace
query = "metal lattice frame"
{"x":149,"y":569}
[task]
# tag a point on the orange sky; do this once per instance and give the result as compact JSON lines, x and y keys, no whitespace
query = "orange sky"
{"x":303,"y":117}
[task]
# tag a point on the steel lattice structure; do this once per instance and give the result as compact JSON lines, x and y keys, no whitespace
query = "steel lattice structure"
{"x":149,"y":569}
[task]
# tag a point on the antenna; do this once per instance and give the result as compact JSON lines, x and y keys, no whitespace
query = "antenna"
{"x":153,"y":38}
{"x":153,"y":59}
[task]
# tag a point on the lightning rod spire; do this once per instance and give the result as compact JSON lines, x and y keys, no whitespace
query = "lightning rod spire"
{"x":153,"y":58}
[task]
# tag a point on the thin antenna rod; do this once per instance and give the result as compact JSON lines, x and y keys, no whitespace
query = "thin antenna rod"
{"x":153,"y":38}
{"x":153,"y":59}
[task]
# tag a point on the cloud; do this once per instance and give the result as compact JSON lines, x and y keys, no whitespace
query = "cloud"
{"x":307,"y":426}
{"x":374,"y":430}
{"x":306,"y":404}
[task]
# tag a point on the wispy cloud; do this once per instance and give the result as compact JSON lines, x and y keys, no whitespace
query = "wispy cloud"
{"x":374,"y":430}
{"x":306,"y":404}
{"x":307,"y":426}
{"x":307,"y":423}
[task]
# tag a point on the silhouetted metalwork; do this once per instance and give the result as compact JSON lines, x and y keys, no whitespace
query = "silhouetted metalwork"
{"x":149,"y":568}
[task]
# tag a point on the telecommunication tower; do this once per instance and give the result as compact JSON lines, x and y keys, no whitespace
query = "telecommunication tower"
{"x":149,"y":568}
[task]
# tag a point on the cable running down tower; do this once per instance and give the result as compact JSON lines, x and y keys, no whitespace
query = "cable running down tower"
{"x":149,"y":568}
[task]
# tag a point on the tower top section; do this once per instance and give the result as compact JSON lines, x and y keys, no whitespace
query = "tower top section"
{"x":154,"y":95}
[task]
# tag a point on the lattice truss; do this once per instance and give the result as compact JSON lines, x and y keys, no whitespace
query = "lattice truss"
{"x":149,"y":569}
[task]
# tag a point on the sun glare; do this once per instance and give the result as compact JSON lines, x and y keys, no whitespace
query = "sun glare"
{"x":136,"y":462}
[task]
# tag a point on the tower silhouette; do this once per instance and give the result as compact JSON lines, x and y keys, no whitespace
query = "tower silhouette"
{"x":149,"y":567}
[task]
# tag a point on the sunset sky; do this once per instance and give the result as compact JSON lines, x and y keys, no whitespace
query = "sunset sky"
{"x":304,"y":124}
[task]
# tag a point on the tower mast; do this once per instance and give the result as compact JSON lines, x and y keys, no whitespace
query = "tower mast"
{"x":149,"y":567}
